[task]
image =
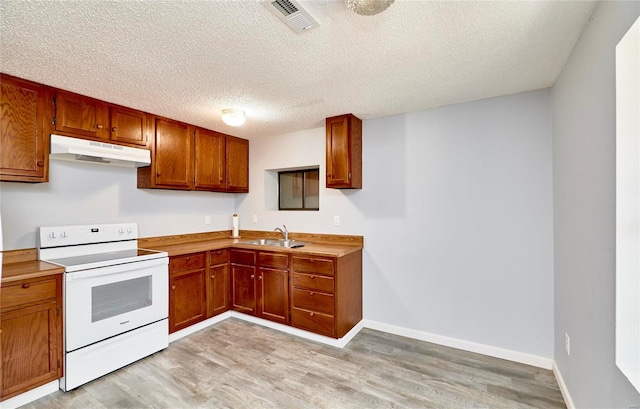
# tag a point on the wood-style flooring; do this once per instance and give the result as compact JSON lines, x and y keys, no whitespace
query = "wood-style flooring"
{"x":235,"y":364}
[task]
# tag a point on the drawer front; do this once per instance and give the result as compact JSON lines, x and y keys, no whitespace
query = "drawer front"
{"x":19,"y":294}
{"x":279,"y":261}
{"x":312,"y":321}
{"x":312,"y":300}
{"x":245,"y":257}
{"x":312,"y":282}
{"x":312,"y":265}
{"x":187,"y":262}
{"x":219,"y":256}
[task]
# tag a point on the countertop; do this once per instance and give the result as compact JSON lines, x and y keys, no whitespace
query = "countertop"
{"x":12,"y":272}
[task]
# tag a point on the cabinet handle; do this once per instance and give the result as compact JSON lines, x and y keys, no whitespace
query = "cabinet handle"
{"x":313,"y":277}
{"x":259,"y":277}
{"x":26,"y":285}
{"x":188,"y":258}
{"x":311,"y":293}
{"x":114,"y":129}
{"x":213,"y":276}
{"x":173,"y":287}
{"x":311,"y":314}
{"x":252,"y":276}
{"x":40,"y":163}
{"x":99,"y":126}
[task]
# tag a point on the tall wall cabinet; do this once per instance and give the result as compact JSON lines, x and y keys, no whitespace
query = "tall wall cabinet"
{"x":344,"y":152}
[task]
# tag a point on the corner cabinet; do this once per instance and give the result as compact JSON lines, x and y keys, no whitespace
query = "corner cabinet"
{"x":24,"y":142}
{"x":31,"y":334}
{"x":344,"y":152}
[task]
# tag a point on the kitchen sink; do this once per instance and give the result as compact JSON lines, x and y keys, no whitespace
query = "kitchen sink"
{"x":275,"y":243}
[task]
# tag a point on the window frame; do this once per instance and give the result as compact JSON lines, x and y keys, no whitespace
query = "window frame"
{"x":304,"y":189}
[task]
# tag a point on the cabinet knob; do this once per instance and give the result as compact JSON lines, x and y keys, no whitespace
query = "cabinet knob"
{"x":259,"y":277}
{"x":26,"y":285}
{"x":252,"y":276}
{"x":173,"y":287}
{"x":99,"y":126}
{"x":219,"y":252}
{"x":311,"y":293}
{"x":188,"y":258}
{"x":311,"y":314}
{"x":40,"y":163}
{"x":114,"y":129}
{"x":213,"y":276}
{"x":313,"y":277}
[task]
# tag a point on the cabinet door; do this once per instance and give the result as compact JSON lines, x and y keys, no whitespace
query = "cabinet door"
{"x":338,"y":152}
{"x":173,"y":154}
{"x":128,"y":126}
{"x":23,"y":133}
{"x":237,"y":165}
{"x":186,"y":299}
{"x":274,"y":295}
{"x":210,"y":160}
{"x":218,"y":300}
{"x":30,"y":347}
{"x":81,"y":116}
{"x":243,"y":288}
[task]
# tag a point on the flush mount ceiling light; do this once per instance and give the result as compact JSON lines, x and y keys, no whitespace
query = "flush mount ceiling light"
{"x":233,"y":117}
{"x":368,"y":7}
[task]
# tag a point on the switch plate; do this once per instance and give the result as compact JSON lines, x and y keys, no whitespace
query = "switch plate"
{"x":336,"y":220}
{"x":567,"y":344}
{"x":207,"y":219}
{"x":255,"y":219}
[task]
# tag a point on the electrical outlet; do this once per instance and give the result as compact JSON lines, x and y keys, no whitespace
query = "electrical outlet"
{"x":567,"y":344}
{"x":207,"y":219}
{"x":255,"y":219}
{"x":336,"y":220}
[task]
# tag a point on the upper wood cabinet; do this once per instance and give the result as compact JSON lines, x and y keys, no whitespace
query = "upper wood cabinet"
{"x":210,"y":160}
{"x":87,"y":118}
{"x":77,"y":115}
{"x":344,"y":152}
{"x":171,"y":157}
{"x":24,"y":147}
{"x":237,"y":165}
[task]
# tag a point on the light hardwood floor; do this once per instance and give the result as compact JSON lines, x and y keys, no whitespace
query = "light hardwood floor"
{"x":235,"y":364}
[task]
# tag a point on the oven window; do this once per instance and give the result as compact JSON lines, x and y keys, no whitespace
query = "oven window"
{"x":113,"y":299}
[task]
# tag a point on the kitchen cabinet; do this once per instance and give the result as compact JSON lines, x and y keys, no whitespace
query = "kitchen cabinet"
{"x":243,"y":281}
{"x":24,"y":142}
{"x":31,"y":334}
{"x":210,"y":173}
{"x":218,"y":283}
{"x":326,"y":293}
{"x":88,"y":118}
{"x":344,"y":152}
{"x":237,"y":165}
{"x":273,"y":287}
{"x":171,"y":156}
{"x":187,"y":290}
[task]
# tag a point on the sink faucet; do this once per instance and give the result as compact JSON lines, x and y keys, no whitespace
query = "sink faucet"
{"x":285,"y":232}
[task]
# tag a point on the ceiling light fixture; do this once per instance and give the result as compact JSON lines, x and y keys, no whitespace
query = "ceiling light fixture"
{"x":233,"y":117}
{"x":368,"y":7}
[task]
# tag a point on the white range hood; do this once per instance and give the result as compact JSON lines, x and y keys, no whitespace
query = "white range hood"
{"x":80,"y":150}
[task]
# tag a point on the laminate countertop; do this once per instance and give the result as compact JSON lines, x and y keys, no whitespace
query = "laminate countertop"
{"x":28,"y":269}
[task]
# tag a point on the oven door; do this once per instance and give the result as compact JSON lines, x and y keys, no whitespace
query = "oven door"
{"x":107,"y":301}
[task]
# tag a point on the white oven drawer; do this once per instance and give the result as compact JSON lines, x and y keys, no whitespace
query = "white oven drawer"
{"x":104,"y":302}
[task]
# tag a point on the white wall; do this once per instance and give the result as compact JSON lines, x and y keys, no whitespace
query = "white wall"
{"x":81,"y":193}
{"x":584,"y":185}
{"x":456,"y":211}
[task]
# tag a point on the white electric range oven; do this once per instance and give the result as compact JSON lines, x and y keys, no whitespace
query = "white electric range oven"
{"x":116,"y":297}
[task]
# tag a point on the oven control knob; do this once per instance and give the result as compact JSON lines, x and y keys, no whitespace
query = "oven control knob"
{"x":64,"y":234}
{"x":129,"y":230}
{"x":121,"y":230}
{"x":52,"y":235}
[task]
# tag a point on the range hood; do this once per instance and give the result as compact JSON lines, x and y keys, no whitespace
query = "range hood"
{"x":80,"y":150}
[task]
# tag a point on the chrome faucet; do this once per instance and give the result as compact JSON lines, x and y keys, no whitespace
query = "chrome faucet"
{"x":285,"y":232}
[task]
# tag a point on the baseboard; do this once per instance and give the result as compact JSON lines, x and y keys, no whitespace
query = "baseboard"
{"x":199,"y":326}
{"x":563,"y":387}
{"x":483,"y":349}
{"x":30,"y":396}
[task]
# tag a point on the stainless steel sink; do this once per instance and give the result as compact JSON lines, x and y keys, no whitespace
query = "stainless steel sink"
{"x":275,"y":243}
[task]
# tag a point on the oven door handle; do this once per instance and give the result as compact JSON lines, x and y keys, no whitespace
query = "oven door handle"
{"x":117,"y":269}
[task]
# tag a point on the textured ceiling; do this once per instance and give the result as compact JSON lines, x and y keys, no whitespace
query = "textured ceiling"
{"x":188,"y":60}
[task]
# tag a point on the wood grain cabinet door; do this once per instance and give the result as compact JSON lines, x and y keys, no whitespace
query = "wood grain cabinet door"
{"x":23,"y":133}
{"x":81,"y":116}
{"x":237,"y":161}
{"x":173,"y":154}
{"x":218,"y":297}
{"x":210,"y":160}
{"x":344,"y":152}
{"x":186,"y":299}
{"x":274,"y":295}
{"x":128,"y":126}
{"x":243,"y":288}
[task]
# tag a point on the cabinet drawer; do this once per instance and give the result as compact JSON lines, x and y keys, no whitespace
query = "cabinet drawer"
{"x":187,"y":262}
{"x":279,"y":261}
{"x":312,"y":300}
{"x":245,"y":257}
{"x":219,"y":256}
{"x":312,"y":282}
{"x":312,"y":321}
{"x":25,"y":293}
{"x":312,"y":265}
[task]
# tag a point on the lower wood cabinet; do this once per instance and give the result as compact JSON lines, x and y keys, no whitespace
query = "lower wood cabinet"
{"x":243,"y":281}
{"x":31,"y":334}
{"x":218,"y":283}
{"x":187,"y":290}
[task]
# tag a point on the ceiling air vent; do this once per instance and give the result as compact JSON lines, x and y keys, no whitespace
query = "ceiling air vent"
{"x":292,"y":14}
